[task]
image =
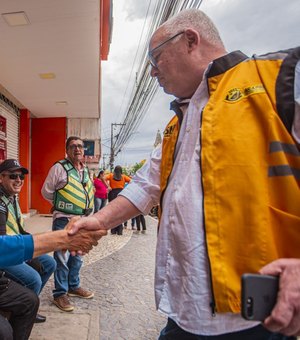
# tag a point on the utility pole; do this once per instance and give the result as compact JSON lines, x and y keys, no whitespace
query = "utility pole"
{"x":103,"y":160}
{"x":112,"y":152}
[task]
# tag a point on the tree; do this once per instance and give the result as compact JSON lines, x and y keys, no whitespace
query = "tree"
{"x":137,"y":166}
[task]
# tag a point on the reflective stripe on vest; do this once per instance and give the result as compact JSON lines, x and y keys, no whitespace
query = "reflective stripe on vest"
{"x":76,"y":195}
{"x":12,"y":227}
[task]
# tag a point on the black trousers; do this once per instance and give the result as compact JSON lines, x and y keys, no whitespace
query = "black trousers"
{"x":23,"y":305}
{"x":111,"y":196}
{"x":140,"y":220}
{"x":173,"y":332}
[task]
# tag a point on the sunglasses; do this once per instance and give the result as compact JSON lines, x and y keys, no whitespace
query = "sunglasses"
{"x":15,"y":176}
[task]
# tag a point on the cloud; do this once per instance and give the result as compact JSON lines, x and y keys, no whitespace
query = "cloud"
{"x":135,"y":9}
{"x":256,"y":26}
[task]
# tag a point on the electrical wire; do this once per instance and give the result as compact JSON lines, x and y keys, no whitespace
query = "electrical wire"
{"x":145,"y":87}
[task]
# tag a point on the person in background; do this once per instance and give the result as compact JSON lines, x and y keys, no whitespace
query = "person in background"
{"x":34,"y":273}
{"x":140,"y":220}
{"x":71,"y":192}
{"x":20,"y":302}
{"x":101,"y":191}
{"x":117,"y":181}
{"x":235,"y":137}
{"x":132,"y":223}
{"x":133,"y":219}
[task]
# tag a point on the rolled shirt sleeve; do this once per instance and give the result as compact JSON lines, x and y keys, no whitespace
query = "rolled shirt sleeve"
{"x":144,"y":189}
{"x":55,"y":179}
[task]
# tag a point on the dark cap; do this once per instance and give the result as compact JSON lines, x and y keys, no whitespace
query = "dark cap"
{"x":11,"y":165}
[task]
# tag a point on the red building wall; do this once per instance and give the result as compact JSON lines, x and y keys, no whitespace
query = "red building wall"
{"x":24,"y":157}
{"x":48,"y":138}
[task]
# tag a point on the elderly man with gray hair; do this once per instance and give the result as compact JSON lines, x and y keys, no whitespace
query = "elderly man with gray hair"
{"x":227,"y":180}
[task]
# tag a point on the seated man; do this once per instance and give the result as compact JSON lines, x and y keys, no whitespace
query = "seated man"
{"x":21,"y":304}
{"x":35,"y":273}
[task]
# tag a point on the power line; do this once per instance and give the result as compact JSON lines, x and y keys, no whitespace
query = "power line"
{"x":145,"y":86}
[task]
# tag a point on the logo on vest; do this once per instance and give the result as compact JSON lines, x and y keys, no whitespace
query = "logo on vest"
{"x":61,"y":205}
{"x":169,"y":130}
{"x":236,"y":94}
{"x":69,"y":206}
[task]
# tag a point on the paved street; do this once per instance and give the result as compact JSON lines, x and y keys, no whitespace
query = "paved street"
{"x":121,"y":272}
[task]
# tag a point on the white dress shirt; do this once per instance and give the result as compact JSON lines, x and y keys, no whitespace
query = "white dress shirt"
{"x":182,"y":285}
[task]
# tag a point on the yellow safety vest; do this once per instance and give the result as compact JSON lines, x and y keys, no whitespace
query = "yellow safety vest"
{"x":14,"y":220}
{"x":250,"y":167}
{"x":77,"y":196}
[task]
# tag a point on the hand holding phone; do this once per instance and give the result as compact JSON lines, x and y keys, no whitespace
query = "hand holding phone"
{"x":259,"y":295}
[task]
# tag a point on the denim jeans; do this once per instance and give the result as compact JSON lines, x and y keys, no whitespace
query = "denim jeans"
{"x":173,"y":332}
{"x":99,"y":203}
{"x":29,"y":277}
{"x":66,"y":276}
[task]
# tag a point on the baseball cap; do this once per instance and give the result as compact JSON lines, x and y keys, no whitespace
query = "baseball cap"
{"x":11,"y":165}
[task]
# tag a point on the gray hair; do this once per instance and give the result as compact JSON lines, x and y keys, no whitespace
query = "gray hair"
{"x":196,"y":19}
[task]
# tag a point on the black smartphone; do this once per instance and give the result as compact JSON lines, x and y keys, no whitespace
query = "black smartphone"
{"x":259,"y":295}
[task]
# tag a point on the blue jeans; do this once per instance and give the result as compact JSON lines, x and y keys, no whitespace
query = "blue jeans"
{"x":29,"y":277}
{"x":173,"y":332}
{"x":99,"y":203}
{"x":66,"y":276}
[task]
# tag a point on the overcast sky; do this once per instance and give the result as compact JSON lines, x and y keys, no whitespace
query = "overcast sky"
{"x":252,"y":26}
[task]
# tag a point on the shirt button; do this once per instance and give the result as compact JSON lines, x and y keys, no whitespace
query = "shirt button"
{"x":188,"y":129}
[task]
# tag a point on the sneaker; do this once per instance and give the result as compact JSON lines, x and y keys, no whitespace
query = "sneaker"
{"x":143,"y":231}
{"x":80,"y":292}
{"x":63,"y":303}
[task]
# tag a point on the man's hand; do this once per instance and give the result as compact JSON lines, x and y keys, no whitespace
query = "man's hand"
{"x":285,"y":316}
{"x":115,"y":213}
{"x":71,"y":222}
{"x":84,"y":240}
{"x":87,"y":223}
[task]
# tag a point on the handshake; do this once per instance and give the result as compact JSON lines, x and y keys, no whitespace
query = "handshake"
{"x":81,"y":241}
{"x":78,"y":237}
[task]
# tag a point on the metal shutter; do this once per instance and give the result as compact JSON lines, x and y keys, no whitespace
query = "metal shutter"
{"x":12,"y":131}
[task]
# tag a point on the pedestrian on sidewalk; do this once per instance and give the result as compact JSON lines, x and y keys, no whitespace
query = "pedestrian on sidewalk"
{"x":34,"y":273}
{"x":132,"y":223}
{"x":117,"y":181}
{"x":101,"y":191}
{"x":140,"y":220}
{"x":71,"y":192}
{"x":235,"y":137}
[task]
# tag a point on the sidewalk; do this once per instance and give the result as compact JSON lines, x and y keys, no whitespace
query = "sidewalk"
{"x":120,"y":270}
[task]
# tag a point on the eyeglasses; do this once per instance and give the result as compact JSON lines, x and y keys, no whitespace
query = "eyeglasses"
{"x":74,"y":146}
{"x":15,"y":176}
{"x":152,"y":60}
